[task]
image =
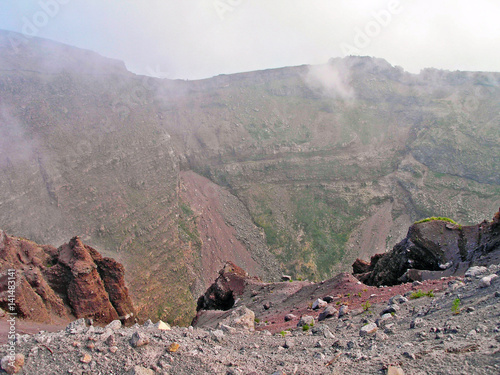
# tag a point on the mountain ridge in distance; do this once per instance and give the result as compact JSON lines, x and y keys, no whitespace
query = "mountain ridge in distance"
{"x":327,"y":163}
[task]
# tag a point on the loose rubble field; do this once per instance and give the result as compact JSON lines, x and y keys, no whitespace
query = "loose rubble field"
{"x":455,"y":332}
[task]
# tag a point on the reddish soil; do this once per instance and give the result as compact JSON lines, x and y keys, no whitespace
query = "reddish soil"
{"x":28,"y":327}
{"x":272,"y":301}
{"x":344,"y":293}
{"x":220,"y":243}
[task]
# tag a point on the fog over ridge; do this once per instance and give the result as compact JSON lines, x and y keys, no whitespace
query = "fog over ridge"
{"x":196,"y":39}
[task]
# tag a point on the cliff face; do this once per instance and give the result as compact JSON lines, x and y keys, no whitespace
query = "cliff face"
{"x":434,"y":249}
{"x":72,"y":281}
{"x":311,"y":173}
{"x":85,"y":147}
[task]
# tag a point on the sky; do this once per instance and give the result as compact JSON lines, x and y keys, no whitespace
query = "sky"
{"x":194,"y":39}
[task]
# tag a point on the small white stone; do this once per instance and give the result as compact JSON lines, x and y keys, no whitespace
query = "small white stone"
{"x":319,"y":303}
{"x":369,"y":329}
{"x":486,"y":281}
{"x":475,"y":271}
{"x":162,"y":326}
{"x":114,"y":325}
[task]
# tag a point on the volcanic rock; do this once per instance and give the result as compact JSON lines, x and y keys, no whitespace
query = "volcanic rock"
{"x":13,"y":365}
{"x":162,"y":326}
{"x":475,"y":271}
{"x":221,"y":294}
{"x":344,"y":309}
{"x":76,"y":327}
{"x":139,"y":339}
{"x":360,"y":266}
{"x":306,"y":319}
{"x":74,"y":280}
{"x":114,"y":325}
{"x":328,"y":312}
{"x":319,"y":303}
{"x":486,"y":281}
{"x":432,"y":250}
{"x":289,"y":317}
{"x":241,"y":317}
{"x":394,"y":370}
{"x":368,"y":329}
{"x":139,"y":370}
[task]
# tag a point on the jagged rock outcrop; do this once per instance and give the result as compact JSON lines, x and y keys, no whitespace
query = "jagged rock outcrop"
{"x":222,"y":293}
{"x":74,"y":280}
{"x":433,"y":249}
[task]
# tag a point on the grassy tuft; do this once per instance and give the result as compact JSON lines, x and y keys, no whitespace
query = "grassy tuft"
{"x":419,"y":293}
{"x":455,"y":307}
{"x":433,"y":218}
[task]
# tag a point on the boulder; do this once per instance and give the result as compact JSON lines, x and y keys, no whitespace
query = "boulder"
{"x":289,"y":317}
{"x":368,"y":329}
{"x":217,"y":335}
{"x":434,"y":249}
{"x":328,"y":312}
{"x":344,"y":310}
{"x":221,"y":294}
{"x":139,"y":339}
{"x":13,"y":365}
{"x":318,"y":304}
{"x":360,"y":266}
{"x":77,"y":326}
{"x":114,"y":325}
{"x":476,"y":271}
{"x":306,"y":319}
{"x":391,"y":309}
{"x":383,"y":320}
{"x":241,"y":318}
{"x":486,"y":281}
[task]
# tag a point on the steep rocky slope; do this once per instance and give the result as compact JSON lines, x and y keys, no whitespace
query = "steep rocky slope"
{"x":328,"y":169}
{"x":85,"y":150}
{"x":222,"y":230}
{"x":54,"y":285}
{"x":432,"y":334}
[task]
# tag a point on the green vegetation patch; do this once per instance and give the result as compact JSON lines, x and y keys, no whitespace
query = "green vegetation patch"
{"x":327,"y":223}
{"x":419,"y":293}
{"x":434,"y":218}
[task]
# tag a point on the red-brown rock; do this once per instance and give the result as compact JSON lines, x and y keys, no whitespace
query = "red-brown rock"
{"x":360,"y":266}
{"x":221,"y":294}
{"x":72,"y":281}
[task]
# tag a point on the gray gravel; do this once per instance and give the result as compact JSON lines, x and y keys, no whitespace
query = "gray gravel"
{"x":428,"y":335}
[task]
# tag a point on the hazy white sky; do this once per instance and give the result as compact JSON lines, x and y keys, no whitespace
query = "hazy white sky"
{"x":193,"y":39}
